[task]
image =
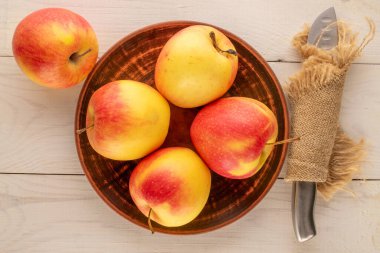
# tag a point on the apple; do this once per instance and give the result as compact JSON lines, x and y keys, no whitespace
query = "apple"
{"x":234,"y":136}
{"x":55,"y":47}
{"x":171,"y":186}
{"x":196,"y":66}
{"x":126,"y":120}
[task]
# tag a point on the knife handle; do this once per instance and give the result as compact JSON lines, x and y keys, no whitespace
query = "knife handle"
{"x":303,"y":200}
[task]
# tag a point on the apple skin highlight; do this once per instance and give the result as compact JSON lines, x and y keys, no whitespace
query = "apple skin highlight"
{"x":232,"y":136}
{"x":127,"y":120}
{"x":44,"y":43}
{"x":172,"y":182}
{"x":190,"y":71}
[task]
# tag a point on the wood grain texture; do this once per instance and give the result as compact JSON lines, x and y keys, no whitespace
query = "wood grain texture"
{"x":63,"y":214}
{"x":266,"y":25}
{"x":37,"y":125}
{"x":36,"y":129}
{"x":135,"y":58}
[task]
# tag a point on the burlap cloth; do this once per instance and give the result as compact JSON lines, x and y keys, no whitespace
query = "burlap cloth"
{"x":324,"y":153}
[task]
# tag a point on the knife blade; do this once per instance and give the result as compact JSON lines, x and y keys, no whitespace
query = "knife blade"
{"x":324,"y":35}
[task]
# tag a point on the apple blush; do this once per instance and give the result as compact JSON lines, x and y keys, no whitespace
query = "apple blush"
{"x":55,"y":47}
{"x":234,"y":136}
{"x":196,"y":66}
{"x":126,"y":120}
{"x":170,"y":186}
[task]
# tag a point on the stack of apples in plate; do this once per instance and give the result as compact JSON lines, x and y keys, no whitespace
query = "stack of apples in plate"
{"x":128,"y":120}
{"x":233,"y":136}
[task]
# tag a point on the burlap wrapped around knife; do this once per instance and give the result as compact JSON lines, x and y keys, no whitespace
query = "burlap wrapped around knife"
{"x":324,"y":153}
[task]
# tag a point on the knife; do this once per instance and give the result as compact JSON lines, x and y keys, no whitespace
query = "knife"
{"x":324,"y":35}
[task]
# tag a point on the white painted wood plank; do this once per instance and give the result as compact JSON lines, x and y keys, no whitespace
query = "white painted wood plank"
{"x":37,"y":135}
{"x":63,"y":214}
{"x":36,"y":126}
{"x":267,"y":25}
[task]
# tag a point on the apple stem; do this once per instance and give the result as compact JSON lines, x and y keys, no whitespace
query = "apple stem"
{"x":150,"y":222}
{"x":284,"y":141}
{"x":80,"y":131}
{"x":229,"y":51}
{"x":75,"y":56}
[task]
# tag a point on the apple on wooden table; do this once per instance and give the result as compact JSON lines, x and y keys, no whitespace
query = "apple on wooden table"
{"x":55,"y":47}
{"x":171,"y":186}
{"x":234,"y":136}
{"x":126,"y":120}
{"x":196,"y":66}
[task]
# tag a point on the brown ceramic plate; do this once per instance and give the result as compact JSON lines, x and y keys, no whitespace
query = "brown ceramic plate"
{"x":134,"y":57}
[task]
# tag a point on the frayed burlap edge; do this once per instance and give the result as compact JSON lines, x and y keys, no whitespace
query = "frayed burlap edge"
{"x":346,"y":159}
{"x":347,"y":155}
{"x":322,"y":66}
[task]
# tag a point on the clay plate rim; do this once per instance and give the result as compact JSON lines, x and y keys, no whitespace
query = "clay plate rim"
{"x":258,"y":58}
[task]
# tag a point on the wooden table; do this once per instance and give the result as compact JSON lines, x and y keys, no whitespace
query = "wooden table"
{"x":46,"y":203}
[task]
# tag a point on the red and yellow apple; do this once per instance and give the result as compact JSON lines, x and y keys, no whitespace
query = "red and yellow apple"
{"x":126,"y":120}
{"x":174,"y":183}
{"x":194,"y":67}
{"x":55,"y":47}
{"x":234,"y":135}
